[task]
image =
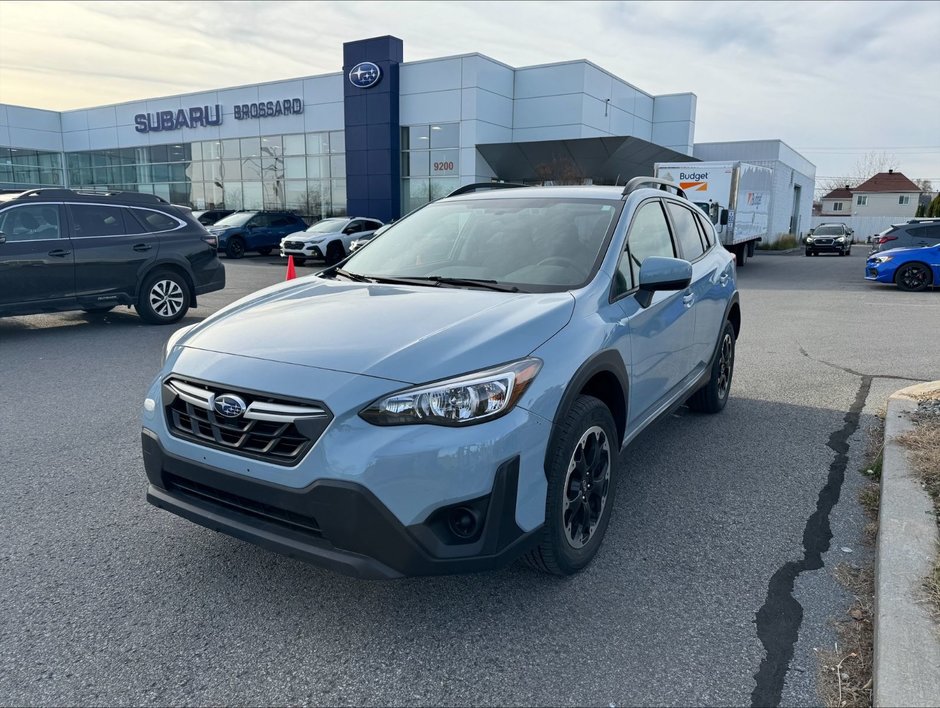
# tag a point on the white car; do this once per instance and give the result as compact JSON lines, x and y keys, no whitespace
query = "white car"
{"x":328,"y":240}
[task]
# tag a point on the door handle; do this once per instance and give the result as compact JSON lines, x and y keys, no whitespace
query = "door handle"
{"x":688,"y":299}
{"x":723,"y":279}
{"x":142,"y":247}
{"x":59,"y":253}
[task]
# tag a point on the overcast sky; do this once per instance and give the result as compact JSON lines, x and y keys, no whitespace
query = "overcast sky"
{"x":834,"y":80}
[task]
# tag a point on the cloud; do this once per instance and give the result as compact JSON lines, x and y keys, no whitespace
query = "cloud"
{"x":813,"y":74}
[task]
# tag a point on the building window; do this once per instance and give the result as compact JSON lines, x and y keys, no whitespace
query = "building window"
{"x":430,"y":163}
{"x":837,"y":206}
{"x":861,"y":201}
{"x":30,"y":168}
{"x":904,"y":199}
{"x":305,"y":173}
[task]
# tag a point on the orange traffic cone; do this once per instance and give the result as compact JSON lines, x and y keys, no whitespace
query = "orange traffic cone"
{"x":291,"y":272}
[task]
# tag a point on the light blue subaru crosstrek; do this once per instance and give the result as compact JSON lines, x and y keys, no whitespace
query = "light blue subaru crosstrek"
{"x":458,"y":393}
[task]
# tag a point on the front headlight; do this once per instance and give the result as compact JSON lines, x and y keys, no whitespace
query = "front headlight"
{"x":174,"y":338}
{"x":465,"y":400}
{"x":841,"y":239}
{"x":809,"y":239}
{"x":878,"y":260}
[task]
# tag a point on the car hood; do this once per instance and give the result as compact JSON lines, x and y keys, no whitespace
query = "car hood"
{"x":411,"y":334}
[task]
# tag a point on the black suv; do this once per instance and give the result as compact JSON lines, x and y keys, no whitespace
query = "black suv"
{"x":210,"y":216}
{"x":914,"y":234}
{"x":830,"y":238}
{"x":68,"y":250}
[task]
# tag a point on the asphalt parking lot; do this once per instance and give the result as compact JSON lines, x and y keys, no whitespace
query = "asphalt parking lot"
{"x":714,"y":584}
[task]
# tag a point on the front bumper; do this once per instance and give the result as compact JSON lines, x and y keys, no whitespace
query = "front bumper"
{"x":313,"y":252}
{"x":827,"y":247}
{"x":881,"y":273}
{"x":339,"y":524}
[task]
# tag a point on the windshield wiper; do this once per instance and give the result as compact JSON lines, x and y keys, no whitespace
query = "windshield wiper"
{"x":353,"y":276}
{"x":471,"y":282}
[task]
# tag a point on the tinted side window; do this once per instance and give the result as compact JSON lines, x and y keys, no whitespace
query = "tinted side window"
{"x":131,"y":224}
{"x":649,"y":236}
{"x":90,"y":220}
{"x":690,"y":243}
{"x":707,"y":233}
{"x":372,"y":225}
{"x":154,"y":220}
{"x":34,"y":222}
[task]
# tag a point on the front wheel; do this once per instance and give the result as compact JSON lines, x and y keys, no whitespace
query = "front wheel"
{"x":582,"y":477}
{"x":809,"y":253}
{"x":235,"y":247}
{"x":913,"y":277}
{"x":335,"y":253}
{"x":164,"y":298}
{"x":740,"y":254}
{"x":713,"y":396}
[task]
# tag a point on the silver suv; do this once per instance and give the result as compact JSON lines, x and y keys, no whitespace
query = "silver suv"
{"x":913,"y":234}
{"x":328,"y":240}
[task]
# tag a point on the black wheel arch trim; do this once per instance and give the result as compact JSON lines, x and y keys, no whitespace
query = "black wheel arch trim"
{"x":606,"y":361}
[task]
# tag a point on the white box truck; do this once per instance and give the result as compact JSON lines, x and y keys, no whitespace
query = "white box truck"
{"x":735,"y":196}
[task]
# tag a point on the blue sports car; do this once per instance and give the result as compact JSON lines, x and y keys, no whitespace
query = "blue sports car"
{"x":910,"y":268}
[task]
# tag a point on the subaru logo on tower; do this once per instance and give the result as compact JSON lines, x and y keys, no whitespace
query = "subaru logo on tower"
{"x":229,"y":405}
{"x":365,"y":74}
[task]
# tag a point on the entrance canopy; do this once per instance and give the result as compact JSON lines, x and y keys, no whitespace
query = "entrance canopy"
{"x":602,"y":160}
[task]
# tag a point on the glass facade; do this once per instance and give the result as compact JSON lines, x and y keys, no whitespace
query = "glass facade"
{"x":430,"y":163}
{"x":30,"y":168}
{"x":305,"y":173}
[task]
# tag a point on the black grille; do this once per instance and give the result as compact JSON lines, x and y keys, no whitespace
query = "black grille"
{"x":296,"y":245}
{"x":250,"y":507}
{"x":277,"y":442}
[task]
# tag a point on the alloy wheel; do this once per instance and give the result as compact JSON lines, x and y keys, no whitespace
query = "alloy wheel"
{"x":586,"y":485}
{"x":914,"y":278}
{"x":166,"y":298}
{"x":725,"y":362}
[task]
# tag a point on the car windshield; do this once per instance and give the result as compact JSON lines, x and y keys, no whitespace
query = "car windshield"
{"x":828,"y":231}
{"x":533,"y":244}
{"x":238,"y":219}
{"x":327,"y":226}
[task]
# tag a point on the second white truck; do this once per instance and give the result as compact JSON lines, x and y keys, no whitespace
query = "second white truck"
{"x":735,"y":195}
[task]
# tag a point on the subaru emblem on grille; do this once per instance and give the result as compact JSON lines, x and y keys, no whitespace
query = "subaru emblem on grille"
{"x":229,"y":405}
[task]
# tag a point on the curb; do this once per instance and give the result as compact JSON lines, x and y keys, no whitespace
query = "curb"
{"x":906,"y":668}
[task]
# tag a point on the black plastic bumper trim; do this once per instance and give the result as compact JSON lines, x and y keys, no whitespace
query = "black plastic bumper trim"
{"x":357,"y":535}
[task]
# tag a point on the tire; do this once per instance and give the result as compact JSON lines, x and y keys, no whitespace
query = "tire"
{"x":235,"y":248}
{"x":576,"y":516}
{"x":809,"y":253}
{"x":298,"y":261}
{"x":265,"y":251}
{"x":740,"y":254}
{"x":913,"y":277}
{"x":713,"y":396}
{"x":164,"y":298}
{"x":334,"y":253}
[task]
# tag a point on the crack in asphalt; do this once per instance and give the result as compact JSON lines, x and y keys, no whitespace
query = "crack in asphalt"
{"x":779,"y":619}
{"x":853,"y":372}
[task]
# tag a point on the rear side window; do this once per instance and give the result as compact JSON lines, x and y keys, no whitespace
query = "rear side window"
{"x":155,"y":220}
{"x":94,"y":220}
{"x":707,"y":234}
{"x":687,"y":234}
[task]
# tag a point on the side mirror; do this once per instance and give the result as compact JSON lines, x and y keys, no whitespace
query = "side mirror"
{"x":723,"y":219}
{"x":659,"y":273}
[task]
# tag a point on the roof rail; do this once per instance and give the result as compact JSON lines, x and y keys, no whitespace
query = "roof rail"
{"x":61,"y":193}
{"x":483,"y":186}
{"x":639,"y":182}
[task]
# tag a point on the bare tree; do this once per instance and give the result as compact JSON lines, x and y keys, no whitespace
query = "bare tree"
{"x":867,"y":166}
{"x":925,"y":185}
{"x":561,"y":170}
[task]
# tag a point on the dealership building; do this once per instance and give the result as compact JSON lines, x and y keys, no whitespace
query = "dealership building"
{"x":378,"y":138}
